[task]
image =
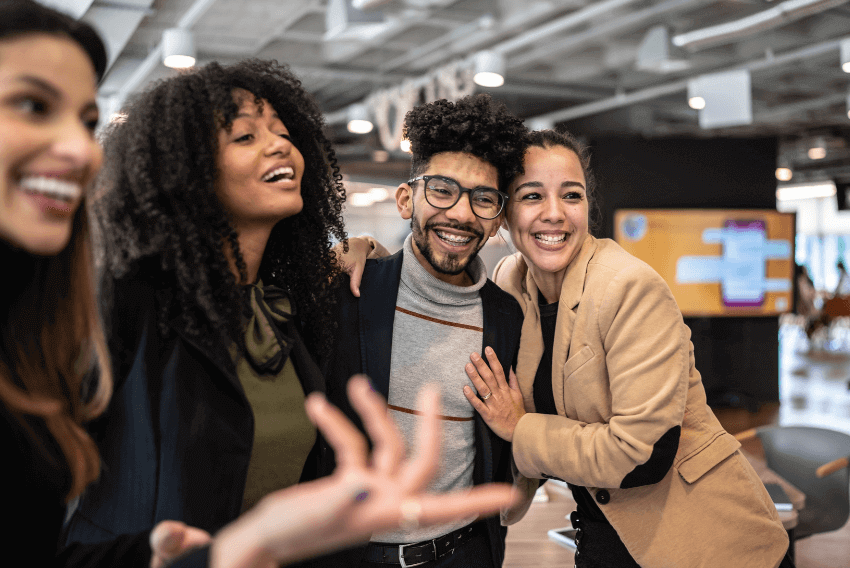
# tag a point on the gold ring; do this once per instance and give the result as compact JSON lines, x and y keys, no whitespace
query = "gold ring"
{"x":410,"y":511}
{"x":489,"y":394}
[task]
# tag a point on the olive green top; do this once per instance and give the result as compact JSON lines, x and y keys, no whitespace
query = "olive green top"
{"x":283,"y":434}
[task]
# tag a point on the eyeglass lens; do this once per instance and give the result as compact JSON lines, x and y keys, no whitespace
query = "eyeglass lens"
{"x":443,"y":194}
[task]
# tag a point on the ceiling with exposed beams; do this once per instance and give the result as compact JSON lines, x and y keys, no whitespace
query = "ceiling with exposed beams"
{"x":602,"y":68}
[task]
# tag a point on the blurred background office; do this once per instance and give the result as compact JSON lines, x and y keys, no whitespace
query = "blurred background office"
{"x":739,"y":106}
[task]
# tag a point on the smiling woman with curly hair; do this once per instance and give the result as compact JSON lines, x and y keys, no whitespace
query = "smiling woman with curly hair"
{"x":217,"y":206}
{"x":160,"y":202}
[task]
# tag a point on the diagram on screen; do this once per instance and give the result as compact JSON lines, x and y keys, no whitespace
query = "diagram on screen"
{"x":741,"y":269}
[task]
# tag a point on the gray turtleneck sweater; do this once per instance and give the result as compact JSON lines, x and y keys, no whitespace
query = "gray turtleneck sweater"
{"x":436,"y":327}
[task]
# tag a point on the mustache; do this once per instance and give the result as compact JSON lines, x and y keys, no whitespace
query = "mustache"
{"x":455,"y":226}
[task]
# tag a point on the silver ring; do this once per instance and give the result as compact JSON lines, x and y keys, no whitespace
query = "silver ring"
{"x":489,"y":394}
{"x":410,"y":510}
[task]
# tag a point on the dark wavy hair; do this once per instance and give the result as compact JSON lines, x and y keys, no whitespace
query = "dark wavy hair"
{"x":549,"y":138}
{"x":19,"y":17}
{"x":476,"y":125}
{"x":51,"y":340}
{"x":163,"y":221}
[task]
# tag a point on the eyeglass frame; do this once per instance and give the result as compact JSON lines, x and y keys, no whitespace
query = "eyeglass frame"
{"x":463,"y":190}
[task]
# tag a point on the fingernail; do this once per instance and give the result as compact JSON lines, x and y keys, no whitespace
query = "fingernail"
{"x":489,"y":350}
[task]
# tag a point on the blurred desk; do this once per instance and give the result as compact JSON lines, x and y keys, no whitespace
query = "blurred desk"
{"x":528,"y":544}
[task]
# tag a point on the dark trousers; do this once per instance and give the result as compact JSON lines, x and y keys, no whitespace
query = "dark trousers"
{"x":474,"y":553}
{"x":599,"y":546}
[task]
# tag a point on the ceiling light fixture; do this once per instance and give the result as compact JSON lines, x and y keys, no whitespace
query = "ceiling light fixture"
{"x":358,"y":119}
{"x":805,"y":191}
{"x":845,"y":55}
{"x":784,"y":174}
{"x":489,"y":69}
{"x":723,"y":99}
{"x":178,"y":48}
{"x":404,"y":146}
{"x":696,"y":103}
{"x":818,"y":149}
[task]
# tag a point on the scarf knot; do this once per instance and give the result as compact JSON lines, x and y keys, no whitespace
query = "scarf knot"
{"x":266,"y":346}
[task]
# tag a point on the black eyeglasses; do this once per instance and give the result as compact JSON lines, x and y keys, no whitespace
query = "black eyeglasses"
{"x":444,"y":192}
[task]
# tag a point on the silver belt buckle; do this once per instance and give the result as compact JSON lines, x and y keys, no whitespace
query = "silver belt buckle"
{"x":401,"y":555}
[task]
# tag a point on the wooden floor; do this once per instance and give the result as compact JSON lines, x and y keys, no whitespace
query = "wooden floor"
{"x":528,"y":545}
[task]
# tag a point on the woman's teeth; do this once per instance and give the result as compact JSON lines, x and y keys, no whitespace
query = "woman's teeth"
{"x":551,"y":239}
{"x":284,"y":172}
{"x":51,"y":187}
{"x":453,"y":239}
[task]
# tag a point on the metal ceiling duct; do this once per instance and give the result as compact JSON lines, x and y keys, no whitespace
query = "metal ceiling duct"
{"x":774,"y":17}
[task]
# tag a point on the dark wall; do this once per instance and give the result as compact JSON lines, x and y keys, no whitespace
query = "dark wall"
{"x":738,"y":357}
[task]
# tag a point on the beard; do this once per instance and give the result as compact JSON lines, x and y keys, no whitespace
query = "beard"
{"x":447,"y":263}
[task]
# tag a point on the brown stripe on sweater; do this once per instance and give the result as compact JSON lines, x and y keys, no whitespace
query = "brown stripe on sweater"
{"x":435,"y":320}
{"x":419,"y":413}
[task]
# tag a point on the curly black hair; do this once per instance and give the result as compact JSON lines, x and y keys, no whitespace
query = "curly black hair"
{"x":163,"y":222}
{"x":550,"y":138}
{"x":476,"y":125}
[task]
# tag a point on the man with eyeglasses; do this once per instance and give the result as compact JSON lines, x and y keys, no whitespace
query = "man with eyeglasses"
{"x":423,"y":311}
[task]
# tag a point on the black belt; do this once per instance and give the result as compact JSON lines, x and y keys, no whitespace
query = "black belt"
{"x":420,"y":552}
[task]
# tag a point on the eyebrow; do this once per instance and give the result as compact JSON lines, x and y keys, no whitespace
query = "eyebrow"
{"x":539,"y":184}
{"x":41,"y":84}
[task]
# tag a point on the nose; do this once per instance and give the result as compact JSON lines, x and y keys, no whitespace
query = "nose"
{"x":461,"y":212}
{"x":553,"y":211}
{"x":277,"y":144}
{"x":76,"y":146}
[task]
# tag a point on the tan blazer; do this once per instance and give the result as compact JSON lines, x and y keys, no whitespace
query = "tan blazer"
{"x":623,"y":375}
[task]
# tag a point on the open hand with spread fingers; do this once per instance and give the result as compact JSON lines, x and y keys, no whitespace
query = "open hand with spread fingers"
{"x":370,"y":491}
{"x":500,"y":403}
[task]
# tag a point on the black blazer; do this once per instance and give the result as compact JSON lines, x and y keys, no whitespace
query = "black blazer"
{"x":364,"y":345}
{"x":176,"y":439}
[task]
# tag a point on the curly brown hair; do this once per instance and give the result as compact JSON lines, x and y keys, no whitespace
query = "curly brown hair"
{"x":476,"y":125}
{"x":166,"y":225}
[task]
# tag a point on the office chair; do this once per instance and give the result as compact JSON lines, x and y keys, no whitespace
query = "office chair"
{"x":798,"y":453}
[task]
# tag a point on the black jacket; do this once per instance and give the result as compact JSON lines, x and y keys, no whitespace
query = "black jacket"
{"x":177,"y":436}
{"x":364,"y":345}
{"x":37,"y":478}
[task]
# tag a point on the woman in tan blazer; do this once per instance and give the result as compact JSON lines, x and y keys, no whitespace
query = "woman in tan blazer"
{"x":606,"y":395}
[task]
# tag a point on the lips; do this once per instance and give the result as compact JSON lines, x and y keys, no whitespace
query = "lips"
{"x":279,"y":173}
{"x":52,"y":188}
{"x":550,"y":239}
{"x":453,"y":239}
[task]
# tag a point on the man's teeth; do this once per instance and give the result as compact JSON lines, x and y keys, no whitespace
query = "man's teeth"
{"x":453,"y":239}
{"x":551,"y":239}
{"x":284,"y":172}
{"x":52,"y":187}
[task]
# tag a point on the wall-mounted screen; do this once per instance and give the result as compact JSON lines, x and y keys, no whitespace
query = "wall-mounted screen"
{"x":717,"y":262}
